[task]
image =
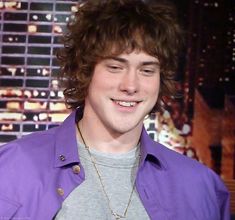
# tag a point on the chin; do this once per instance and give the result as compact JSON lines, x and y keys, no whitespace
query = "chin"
{"x":122,"y":129}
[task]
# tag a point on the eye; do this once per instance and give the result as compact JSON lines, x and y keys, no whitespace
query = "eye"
{"x":148,"y":71}
{"x":113,"y":68}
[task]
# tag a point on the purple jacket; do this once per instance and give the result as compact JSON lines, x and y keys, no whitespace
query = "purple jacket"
{"x":39,"y":171}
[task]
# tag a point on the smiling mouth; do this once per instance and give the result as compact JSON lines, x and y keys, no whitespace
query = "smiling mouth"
{"x":126,"y":103}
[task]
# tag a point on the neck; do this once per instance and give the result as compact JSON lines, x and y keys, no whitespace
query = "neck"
{"x":102,"y":139}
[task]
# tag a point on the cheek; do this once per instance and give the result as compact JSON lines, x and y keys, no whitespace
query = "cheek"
{"x":152,"y":87}
{"x":102,"y":82}
{"x":97,"y":85}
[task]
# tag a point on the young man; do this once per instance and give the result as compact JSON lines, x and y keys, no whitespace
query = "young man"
{"x":118,"y":61}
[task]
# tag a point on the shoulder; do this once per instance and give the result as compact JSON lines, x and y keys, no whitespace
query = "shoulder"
{"x":25,"y":164}
{"x":37,"y":141}
{"x":174,"y":160}
{"x":27,"y":155}
{"x":191,"y":182}
{"x":191,"y":172}
{"x":185,"y":168}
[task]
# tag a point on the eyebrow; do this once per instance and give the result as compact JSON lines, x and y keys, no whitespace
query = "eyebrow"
{"x":122,"y":60}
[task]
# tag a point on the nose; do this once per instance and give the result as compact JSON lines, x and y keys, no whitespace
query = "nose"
{"x":130,"y":82}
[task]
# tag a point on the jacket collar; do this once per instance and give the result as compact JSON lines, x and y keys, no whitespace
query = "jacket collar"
{"x":66,"y":150}
{"x":151,"y":150}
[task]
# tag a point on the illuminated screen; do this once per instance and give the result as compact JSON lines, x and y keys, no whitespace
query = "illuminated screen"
{"x":30,"y":97}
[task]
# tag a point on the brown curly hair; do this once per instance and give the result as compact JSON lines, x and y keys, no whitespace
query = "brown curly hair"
{"x":99,"y":26}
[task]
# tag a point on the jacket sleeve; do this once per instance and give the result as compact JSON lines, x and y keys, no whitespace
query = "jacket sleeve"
{"x":223,"y":196}
{"x":8,"y":208}
{"x":224,"y":202}
{"x":8,"y":204}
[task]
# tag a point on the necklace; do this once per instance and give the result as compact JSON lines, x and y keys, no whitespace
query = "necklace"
{"x":115,"y":214}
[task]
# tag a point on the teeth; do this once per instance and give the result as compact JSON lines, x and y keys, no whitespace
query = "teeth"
{"x":126,"y":104}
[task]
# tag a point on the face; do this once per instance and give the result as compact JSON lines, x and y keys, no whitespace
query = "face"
{"x":123,"y":90}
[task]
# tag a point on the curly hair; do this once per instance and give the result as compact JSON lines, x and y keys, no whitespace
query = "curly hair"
{"x":101,"y":27}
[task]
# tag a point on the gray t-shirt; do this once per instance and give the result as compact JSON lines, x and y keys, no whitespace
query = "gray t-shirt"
{"x":118,"y":171}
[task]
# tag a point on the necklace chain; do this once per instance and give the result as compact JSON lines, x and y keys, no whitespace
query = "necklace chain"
{"x":116,"y":215}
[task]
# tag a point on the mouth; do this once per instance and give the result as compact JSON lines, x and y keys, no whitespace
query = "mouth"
{"x":126,"y":103}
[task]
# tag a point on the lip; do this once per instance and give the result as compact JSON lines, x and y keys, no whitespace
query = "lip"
{"x":124,"y":104}
{"x":126,"y":100}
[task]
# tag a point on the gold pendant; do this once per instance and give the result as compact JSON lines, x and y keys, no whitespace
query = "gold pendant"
{"x":117,"y":216}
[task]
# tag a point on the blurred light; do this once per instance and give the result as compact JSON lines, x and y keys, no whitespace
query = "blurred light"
{"x":35,"y":118}
{"x":57,"y":29}
{"x":52,"y":93}
{"x":35,"y":93}
{"x":186,"y":129}
{"x":35,"y":17}
{"x":34,"y":105}
{"x":48,"y":17}
{"x":32,"y":28}
{"x":55,"y":84}
{"x":190,"y":153}
{"x":27,"y":93}
{"x":57,"y":106}
{"x":166,"y":115}
{"x":60,"y":94}
{"x":45,"y":72}
{"x":42,"y":116}
{"x":186,"y":89}
{"x":8,"y":127}
{"x":13,"y":105}
{"x":74,"y":8}
{"x":10,"y":116}
{"x":43,"y":94}
{"x":12,"y":4}
{"x":12,"y":70}
{"x":57,"y":117}
{"x":19,"y":93}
